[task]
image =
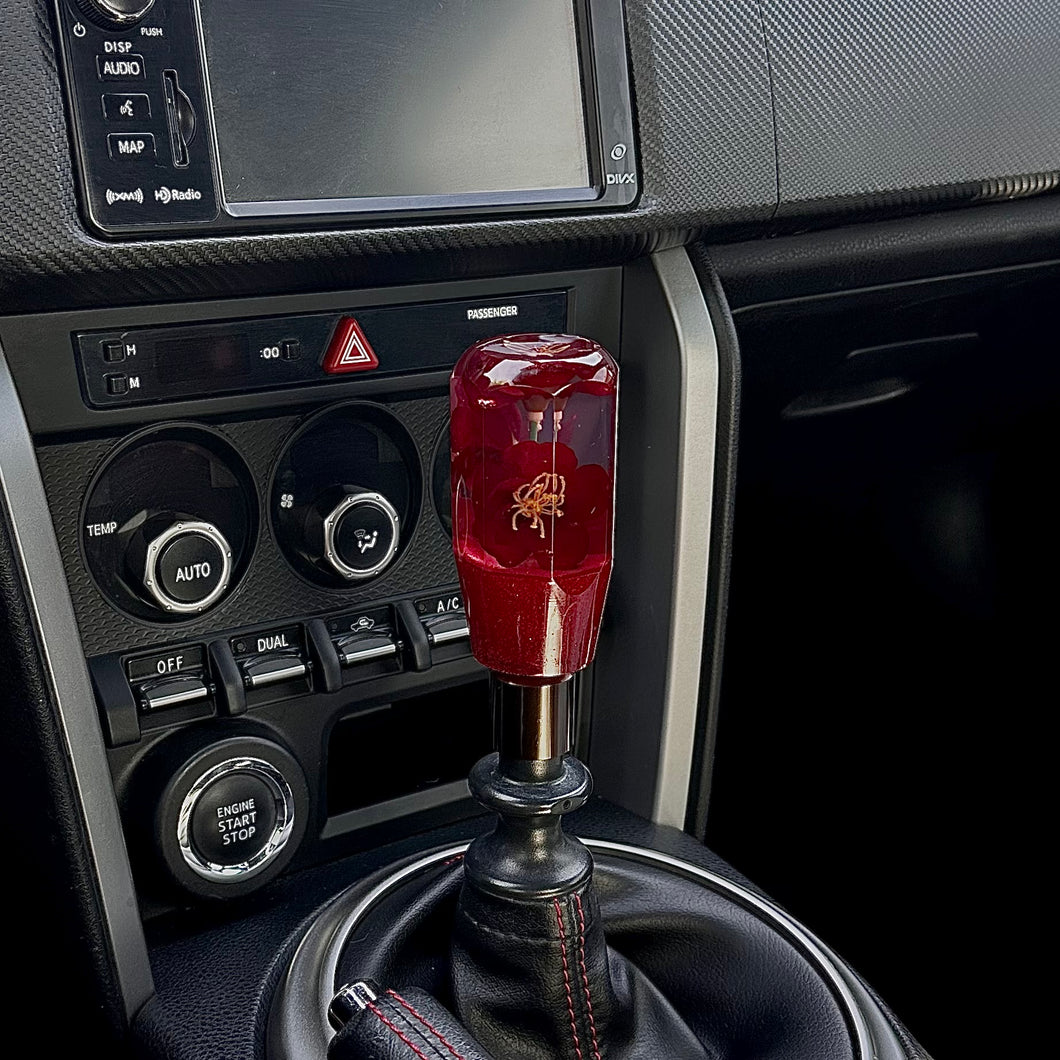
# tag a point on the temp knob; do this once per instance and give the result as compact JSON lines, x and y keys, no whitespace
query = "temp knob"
{"x":361,"y":535}
{"x":115,"y":14}
{"x":187,"y":567}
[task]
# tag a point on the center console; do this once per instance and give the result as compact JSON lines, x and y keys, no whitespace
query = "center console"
{"x":252,"y":504}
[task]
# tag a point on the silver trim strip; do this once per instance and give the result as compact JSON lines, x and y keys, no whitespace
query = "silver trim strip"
{"x":348,"y":658}
{"x":172,"y":693}
{"x":60,"y":641}
{"x":698,"y":349}
{"x":447,"y":635}
{"x":273,"y":677}
{"x":309,"y":984}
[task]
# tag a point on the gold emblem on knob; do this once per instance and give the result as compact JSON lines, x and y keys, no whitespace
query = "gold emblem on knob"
{"x":544,"y":496}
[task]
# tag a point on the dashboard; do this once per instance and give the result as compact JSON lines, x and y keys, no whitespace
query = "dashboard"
{"x":242,"y":245}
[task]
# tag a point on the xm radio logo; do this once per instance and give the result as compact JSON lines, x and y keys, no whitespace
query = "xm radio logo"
{"x":125,"y":196}
{"x":176,"y":195}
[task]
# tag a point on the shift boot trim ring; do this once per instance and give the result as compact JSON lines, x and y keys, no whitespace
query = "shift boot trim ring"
{"x":298,"y":1021}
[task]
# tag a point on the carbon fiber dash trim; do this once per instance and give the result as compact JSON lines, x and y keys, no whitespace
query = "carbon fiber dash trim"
{"x":908,"y":103}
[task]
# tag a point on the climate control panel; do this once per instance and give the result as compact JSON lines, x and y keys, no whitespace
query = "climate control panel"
{"x":257,"y":543}
{"x":239,"y":670}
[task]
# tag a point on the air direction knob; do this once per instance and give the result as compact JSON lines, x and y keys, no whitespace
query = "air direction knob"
{"x":361,"y":535}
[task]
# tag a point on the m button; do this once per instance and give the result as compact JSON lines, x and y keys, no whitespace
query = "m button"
{"x":131,"y":147}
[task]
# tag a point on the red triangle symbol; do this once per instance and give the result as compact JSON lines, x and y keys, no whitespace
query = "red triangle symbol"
{"x":349,"y":349}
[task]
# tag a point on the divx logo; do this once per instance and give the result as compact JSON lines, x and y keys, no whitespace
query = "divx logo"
{"x":176,"y":195}
{"x":621,"y":178}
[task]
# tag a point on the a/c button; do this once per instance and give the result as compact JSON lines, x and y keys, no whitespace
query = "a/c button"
{"x":131,"y":147}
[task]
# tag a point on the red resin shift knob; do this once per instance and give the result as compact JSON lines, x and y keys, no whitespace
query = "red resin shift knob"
{"x":533,"y":460}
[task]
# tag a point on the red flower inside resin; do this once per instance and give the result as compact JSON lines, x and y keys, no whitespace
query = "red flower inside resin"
{"x":536,"y":501}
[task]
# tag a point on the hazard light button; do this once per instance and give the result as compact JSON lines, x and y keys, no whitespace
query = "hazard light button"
{"x":349,"y":350}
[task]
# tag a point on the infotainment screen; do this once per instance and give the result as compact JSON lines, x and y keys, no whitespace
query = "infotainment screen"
{"x":320,"y":104}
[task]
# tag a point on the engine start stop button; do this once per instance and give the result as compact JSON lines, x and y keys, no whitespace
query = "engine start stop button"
{"x":236,"y":818}
{"x":233,"y":819}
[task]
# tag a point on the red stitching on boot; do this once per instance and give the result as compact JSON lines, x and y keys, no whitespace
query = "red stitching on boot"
{"x":566,"y":979}
{"x":394,"y":1028}
{"x":438,"y":1034}
{"x":585,"y":975}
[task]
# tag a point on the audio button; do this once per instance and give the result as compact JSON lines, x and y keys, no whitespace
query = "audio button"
{"x":120,"y":67}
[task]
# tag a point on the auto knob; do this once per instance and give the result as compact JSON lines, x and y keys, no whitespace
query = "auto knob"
{"x":183,"y":565}
{"x":532,"y":434}
{"x":353,"y":532}
{"x":115,"y":14}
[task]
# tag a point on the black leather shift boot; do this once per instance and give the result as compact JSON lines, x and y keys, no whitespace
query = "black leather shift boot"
{"x":534,"y":980}
{"x":687,"y":971}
